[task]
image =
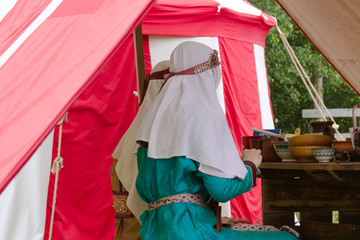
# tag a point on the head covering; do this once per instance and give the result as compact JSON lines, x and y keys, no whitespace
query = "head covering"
{"x":186,"y":118}
{"x":126,"y":167}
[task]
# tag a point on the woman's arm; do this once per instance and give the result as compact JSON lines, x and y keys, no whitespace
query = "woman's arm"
{"x":225,"y":189}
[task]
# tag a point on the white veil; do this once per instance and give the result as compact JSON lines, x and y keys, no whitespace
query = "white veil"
{"x":126,"y":167}
{"x":187,"y":120}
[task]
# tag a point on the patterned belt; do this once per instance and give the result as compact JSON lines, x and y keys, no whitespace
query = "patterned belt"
{"x":248,"y":227}
{"x":186,"y":197}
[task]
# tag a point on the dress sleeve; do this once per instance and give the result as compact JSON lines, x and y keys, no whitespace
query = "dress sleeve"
{"x":254,"y":170}
{"x":225,"y":189}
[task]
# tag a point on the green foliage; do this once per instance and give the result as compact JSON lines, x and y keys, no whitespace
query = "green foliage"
{"x":288,"y":93}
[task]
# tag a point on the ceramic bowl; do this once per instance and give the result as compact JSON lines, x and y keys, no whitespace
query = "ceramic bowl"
{"x":304,"y":153}
{"x":283,"y":151}
{"x":323,"y":154}
{"x":310,"y":140}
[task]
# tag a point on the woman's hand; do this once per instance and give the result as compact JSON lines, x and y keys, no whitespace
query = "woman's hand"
{"x":252,"y":155}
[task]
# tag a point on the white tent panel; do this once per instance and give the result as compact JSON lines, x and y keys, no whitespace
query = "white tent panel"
{"x":23,"y":202}
{"x":5,"y":7}
{"x":266,"y":114}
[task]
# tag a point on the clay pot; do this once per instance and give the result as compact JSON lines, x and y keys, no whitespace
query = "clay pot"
{"x":342,"y":146}
{"x":320,"y":126}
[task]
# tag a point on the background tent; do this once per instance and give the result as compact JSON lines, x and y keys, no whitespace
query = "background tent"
{"x":80,"y":60}
{"x":238,"y":31}
{"x":334,"y":28}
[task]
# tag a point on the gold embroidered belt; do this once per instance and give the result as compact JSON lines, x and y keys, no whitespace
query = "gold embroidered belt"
{"x":186,"y":197}
{"x":120,"y":206}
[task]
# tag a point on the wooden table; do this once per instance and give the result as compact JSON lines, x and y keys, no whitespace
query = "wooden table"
{"x":314,"y":190}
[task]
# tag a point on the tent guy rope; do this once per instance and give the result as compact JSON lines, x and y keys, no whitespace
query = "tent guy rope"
{"x":57,"y":165}
{"x":307,"y":82}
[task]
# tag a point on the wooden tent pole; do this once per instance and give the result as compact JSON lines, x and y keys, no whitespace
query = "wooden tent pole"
{"x":139,"y":57}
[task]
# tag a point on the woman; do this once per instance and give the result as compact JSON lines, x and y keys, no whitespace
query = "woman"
{"x":187,"y":154}
{"x":126,"y":167}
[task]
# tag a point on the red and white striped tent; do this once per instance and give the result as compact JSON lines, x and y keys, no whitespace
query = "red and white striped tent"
{"x":78,"y":57}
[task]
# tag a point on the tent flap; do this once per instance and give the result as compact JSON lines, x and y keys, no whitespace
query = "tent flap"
{"x":334,"y":28}
{"x":37,"y":87}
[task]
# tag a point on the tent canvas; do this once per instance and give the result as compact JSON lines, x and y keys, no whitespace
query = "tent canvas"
{"x":333,"y":28}
{"x":35,"y":91}
{"x":53,"y":51}
{"x":101,"y":104}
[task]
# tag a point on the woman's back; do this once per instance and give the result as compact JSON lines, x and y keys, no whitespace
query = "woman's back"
{"x":159,"y":178}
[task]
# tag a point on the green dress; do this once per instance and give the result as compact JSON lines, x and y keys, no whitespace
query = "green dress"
{"x":159,"y":178}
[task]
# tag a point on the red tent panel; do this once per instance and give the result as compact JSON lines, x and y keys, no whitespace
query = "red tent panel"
{"x":242,"y":111}
{"x":202,"y":19}
{"x":18,"y":20}
{"x":52,"y":67}
{"x":97,"y":121}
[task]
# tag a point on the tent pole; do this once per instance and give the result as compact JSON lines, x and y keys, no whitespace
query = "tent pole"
{"x":139,"y":57}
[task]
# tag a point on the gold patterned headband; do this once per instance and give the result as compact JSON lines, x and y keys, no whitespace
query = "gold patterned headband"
{"x":209,"y":64}
{"x":212,"y":62}
{"x":202,"y":67}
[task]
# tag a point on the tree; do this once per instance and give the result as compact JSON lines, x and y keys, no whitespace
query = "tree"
{"x":288,"y":93}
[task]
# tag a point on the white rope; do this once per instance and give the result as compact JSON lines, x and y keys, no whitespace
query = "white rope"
{"x":56,"y":167}
{"x":307,"y":82}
